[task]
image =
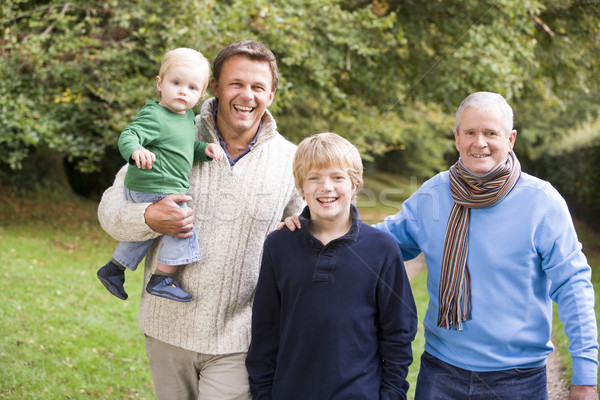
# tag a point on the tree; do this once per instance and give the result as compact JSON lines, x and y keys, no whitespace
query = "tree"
{"x":565,"y":91}
{"x":386,"y":74}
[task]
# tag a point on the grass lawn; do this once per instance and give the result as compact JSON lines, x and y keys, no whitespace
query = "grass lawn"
{"x":63,"y":335}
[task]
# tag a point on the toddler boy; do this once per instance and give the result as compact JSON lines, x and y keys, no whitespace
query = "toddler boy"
{"x":160,"y":147}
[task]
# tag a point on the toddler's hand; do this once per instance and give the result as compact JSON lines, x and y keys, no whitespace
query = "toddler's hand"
{"x":214,"y":151}
{"x":143,"y":158}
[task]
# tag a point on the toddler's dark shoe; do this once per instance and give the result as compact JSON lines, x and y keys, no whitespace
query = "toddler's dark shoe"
{"x":113,"y":278}
{"x":167,"y":287}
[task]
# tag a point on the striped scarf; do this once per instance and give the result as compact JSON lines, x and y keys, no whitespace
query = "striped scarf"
{"x":468,"y":191}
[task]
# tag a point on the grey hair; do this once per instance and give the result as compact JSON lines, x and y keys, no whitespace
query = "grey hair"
{"x":484,"y":101}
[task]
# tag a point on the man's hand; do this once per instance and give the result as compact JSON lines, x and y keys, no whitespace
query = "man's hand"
{"x":579,"y":392}
{"x":167,"y":218}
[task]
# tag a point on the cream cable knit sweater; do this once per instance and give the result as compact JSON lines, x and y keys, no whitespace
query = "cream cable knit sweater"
{"x":234,"y":209}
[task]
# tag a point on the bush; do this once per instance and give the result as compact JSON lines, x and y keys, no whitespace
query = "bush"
{"x":572,"y":166}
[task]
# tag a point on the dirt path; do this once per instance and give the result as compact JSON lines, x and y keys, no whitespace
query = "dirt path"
{"x":557,"y":387}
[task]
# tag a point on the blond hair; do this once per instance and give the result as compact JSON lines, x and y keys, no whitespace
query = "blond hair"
{"x":185,"y":57}
{"x":324,"y":150}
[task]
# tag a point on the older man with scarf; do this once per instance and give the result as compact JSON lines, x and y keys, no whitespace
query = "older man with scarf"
{"x":500,"y":246}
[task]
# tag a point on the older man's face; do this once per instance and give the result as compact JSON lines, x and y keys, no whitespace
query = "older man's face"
{"x":482,"y":141}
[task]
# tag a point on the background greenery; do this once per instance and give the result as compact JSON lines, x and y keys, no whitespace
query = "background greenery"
{"x":572,"y":164}
{"x":386,"y":74}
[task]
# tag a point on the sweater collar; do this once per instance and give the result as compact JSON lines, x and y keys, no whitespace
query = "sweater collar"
{"x":351,"y":235}
{"x":232,"y":160}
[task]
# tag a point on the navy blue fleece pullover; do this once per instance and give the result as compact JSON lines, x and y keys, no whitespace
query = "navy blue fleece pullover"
{"x":334,"y":321}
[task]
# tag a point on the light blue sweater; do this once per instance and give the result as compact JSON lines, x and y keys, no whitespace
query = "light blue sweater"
{"x":523,"y":253}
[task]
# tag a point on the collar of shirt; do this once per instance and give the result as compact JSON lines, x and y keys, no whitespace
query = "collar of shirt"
{"x":232,"y":161}
{"x":351,"y":235}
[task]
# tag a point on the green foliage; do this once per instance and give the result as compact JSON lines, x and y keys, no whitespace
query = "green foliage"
{"x":428,"y":139}
{"x":386,"y":74}
{"x":63,"y":74}
{"x":571,"y":164}
{"x":565,"y":90}
{"x":455,"y":48}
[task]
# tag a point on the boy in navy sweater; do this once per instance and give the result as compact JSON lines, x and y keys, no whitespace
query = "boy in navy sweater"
{"x":333,"y":315}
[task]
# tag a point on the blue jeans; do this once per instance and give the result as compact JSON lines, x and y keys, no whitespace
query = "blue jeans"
{"x":174,"y":251}
{"x":441,"y":381}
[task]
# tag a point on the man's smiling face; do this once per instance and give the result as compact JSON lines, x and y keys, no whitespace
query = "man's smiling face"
{"x":482,"y":141}
{"x":244,"y":91}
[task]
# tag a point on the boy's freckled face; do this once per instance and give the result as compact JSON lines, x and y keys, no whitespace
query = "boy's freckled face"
{"x":328,"y":193}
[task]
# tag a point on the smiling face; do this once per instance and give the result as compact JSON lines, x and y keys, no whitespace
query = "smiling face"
{"x":482,"y":141}
{"x":181,"y":87}
{"x":244,"y":90}
{"x":328,"y":193}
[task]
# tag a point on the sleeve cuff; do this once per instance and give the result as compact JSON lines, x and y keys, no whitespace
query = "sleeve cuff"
{"x":585,"y":372}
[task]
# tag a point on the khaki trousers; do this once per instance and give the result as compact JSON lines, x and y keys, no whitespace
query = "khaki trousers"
{"x":180,"y":374}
